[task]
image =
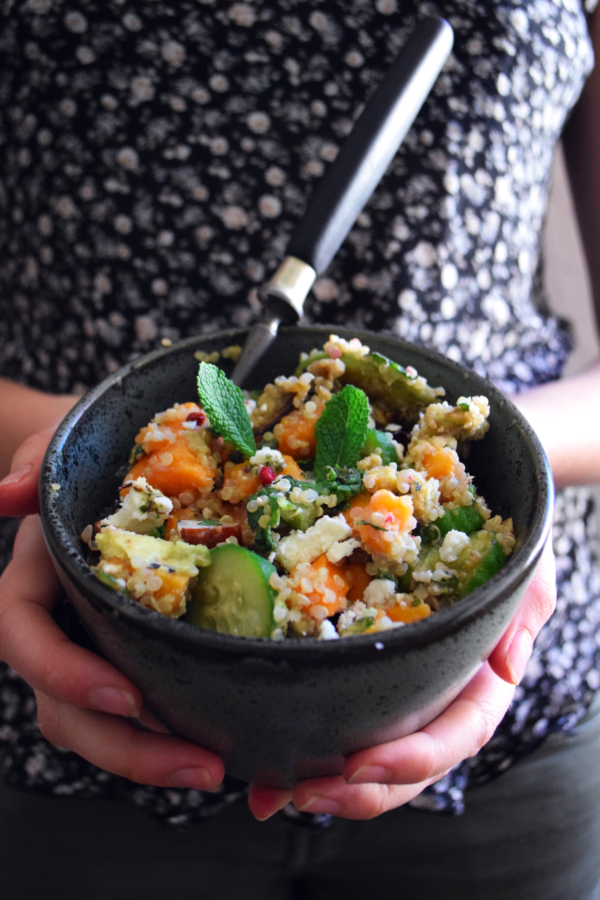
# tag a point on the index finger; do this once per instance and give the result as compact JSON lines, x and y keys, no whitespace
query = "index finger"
{"x":19,"y":495}
{"x":33,"y":644}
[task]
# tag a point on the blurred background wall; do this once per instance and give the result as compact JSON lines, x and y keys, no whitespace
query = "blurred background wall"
{"x":566,"y":278}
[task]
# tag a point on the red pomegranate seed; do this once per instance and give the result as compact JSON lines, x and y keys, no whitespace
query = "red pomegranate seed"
{"x":266,"y":475}
{"x":197,"y":417}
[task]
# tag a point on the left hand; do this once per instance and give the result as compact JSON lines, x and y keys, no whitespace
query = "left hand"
{"x":382,"y":778}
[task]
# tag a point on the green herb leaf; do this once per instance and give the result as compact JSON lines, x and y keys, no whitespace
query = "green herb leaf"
{"x":299,"y":515}
{"x":370,"y":524}
{"x":341,"y":431}
{"x":224,"y":403}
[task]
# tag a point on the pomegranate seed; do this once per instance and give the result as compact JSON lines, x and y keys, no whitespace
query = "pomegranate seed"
{"x":266,"y":475}
{"x":198,"y":417}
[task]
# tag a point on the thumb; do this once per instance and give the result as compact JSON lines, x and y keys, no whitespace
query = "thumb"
{"x":19,"y":490}
{"x":510,"y":657}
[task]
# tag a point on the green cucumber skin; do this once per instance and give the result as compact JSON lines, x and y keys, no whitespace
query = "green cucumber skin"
{"x":491,"y":562}
{"x":357,"y":627}
{"x":399,"y":393}
{"x":233,"y":594}
{"x":380,"y":442}
{"x":464,"y":518}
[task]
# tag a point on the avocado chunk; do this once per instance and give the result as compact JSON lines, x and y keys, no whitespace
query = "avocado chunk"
{"x":233,"y":595}
{"x":384,"y":382}
{"x":115,"y":543}
{"x":358,"y":627}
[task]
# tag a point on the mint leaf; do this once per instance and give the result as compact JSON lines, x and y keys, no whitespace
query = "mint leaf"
{"x":224,"y":403}
{"x":341,"y":431}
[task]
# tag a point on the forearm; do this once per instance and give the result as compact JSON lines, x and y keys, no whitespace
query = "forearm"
{"x":23,"y":412}
{"x":565,"y":416}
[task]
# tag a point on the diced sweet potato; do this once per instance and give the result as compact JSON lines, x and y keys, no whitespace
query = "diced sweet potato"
{"x":324,"y":584}
{"x":359,"y":580}
{"x":239,"y":482}
{"x":386,"y":515}
{"x":296,"y":433}
{"x":407,"y":613}
{"x":440,"y":462}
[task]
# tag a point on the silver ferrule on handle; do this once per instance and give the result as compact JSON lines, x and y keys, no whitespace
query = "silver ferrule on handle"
{"x":291,"y":283}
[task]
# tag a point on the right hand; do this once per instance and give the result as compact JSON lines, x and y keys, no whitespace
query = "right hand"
{"x":84,"y":703}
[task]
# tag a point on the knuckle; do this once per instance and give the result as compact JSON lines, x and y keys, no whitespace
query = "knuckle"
{"x":429,"y":754}
{"x":483,"y":727}
{"x":48,"y":721}
{"x":136,"y":765}
{"x":377,"y":801}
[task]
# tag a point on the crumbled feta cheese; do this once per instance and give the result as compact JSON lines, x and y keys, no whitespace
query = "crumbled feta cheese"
{"x":378,"y":591}
{"x":454,"y":543}
{"x":341,"y":549}
{"x":327,"y":631}
{"x":268,"y":457}
{"x":142,"y":509}
{"x":305,"y":546}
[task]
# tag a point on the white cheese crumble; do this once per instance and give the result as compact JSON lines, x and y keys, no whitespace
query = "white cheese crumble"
{"x":341,"y":549}
{"x":305,"y":546}
{"x":454,"y":543}
{"x":268,"y":457}
{"x":142,"y":509}
{"x":327,"y":631}
{"x":378,"y":591}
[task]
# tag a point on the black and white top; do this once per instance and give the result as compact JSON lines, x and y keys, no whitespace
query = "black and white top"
{"x":154,"y":157}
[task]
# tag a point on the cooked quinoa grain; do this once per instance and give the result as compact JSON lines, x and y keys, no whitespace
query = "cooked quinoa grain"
{"x":295,"y":539}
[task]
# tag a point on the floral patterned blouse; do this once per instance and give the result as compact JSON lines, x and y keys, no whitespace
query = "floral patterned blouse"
{"x":154,"y":158}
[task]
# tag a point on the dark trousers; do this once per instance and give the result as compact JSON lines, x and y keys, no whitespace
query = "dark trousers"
{"x":532,"y":834}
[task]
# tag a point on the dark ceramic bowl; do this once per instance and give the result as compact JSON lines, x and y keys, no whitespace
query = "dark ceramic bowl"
{"x":280,"y":711}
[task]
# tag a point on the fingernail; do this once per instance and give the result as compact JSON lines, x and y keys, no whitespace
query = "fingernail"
{"x":518,"y":654}
{"x":264,"y":816}
{"x":317,"y":804}
{"x":197,"y":778}
{"x":115,"y":701}
{"x":370,"y":775}
{"x":16,"y":476}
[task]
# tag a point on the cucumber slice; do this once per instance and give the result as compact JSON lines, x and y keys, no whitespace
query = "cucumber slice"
{"x":233,"y":595}
{"x":380,"y":442}
{"x":464,"y":518}
{"x":489,"y":559}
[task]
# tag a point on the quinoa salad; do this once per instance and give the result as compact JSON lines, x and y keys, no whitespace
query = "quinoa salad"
{"x":331,"y":504}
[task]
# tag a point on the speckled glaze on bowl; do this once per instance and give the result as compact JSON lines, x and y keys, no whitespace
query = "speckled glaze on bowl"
{"x":280,"y":711}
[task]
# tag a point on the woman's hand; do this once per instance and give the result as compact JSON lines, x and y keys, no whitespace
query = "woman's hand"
{"x":84,"y":704}
{"x":382,"y":778}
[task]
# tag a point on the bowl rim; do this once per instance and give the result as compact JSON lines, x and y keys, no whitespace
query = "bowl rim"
{"x":448,"y":621}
